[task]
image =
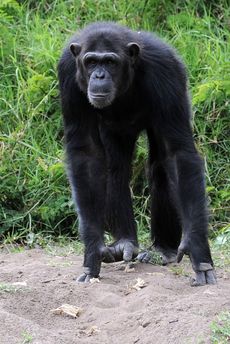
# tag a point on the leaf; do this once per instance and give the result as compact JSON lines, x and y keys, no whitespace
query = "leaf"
{"x":92,"y":330}
{"x":67,"y":309}
{"x":139,"y":284}
{"x":94,"y":280}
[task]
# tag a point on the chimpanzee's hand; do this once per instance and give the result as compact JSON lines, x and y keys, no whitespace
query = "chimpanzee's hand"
{"x":93,"y":262}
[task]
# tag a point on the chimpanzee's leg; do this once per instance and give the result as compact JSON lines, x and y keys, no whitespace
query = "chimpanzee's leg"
{"x":179,"y":198}
{"x":119,"y":212}
{"x":165,"y":223}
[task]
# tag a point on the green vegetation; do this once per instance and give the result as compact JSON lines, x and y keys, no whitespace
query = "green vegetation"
{"x":221,"y":249}
{"x":9,"y":288}
{"x":221,"y":329}
{"x":35,"y":199}
{"x":27,"y":337}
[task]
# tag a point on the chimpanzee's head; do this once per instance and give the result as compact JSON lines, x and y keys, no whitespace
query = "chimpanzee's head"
{"x":105,"y":63}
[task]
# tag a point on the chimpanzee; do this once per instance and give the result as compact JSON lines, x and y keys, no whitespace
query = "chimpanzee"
{"x":114,"y":84}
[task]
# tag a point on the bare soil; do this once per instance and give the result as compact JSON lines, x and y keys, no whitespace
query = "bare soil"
{"x":166,"y":310}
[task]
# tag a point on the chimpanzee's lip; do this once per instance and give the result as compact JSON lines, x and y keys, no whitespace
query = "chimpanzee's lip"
{"x":99,"y":95}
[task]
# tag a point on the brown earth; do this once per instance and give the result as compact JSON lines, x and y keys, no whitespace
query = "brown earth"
{"x":166,"y":310}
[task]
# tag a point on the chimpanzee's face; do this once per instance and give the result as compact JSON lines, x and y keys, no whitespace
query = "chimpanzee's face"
{"x":103,"y":70}
{"x":104,"y":74}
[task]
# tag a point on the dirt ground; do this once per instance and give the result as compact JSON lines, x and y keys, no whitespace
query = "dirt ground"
{"x":166,"y":310}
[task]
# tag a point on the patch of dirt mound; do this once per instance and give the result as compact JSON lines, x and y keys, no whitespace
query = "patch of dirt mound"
{"x":144,"y":304}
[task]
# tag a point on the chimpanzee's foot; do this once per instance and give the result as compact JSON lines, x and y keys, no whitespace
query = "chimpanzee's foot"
{"x":167,"y":255}
{"x":107,"y":255}
{"x":144,"y":257}
{"x":123,"y":249}
{"x":204,"y":272}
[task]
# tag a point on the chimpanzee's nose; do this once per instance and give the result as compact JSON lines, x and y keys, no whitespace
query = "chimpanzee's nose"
{"x":100,"y":74}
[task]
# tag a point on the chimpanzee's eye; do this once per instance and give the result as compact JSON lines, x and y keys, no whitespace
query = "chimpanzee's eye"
{"x":90,"y":62}
{"x":110,"y":62}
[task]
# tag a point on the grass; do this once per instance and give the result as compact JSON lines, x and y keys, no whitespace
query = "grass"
{"x":35,"y":201}
{"x":27,"y":337}
{"x":221,"y":249}
{"x":63,"y":248}
{"x":221,"y":329}
{"x":9,"y":288}
{"x":179,"y":270}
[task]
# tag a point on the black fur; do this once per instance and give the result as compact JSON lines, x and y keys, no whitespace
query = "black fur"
{"x":147,"y":90}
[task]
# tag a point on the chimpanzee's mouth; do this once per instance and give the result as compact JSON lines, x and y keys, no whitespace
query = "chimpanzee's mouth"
{"x":99,"y":95}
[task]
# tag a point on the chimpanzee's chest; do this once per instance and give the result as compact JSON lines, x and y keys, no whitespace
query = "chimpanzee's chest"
{"x":124,"y":120}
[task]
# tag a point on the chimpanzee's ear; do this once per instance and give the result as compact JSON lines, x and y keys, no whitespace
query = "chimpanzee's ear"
{"x":134,"y":50}
{"x":75,"y":49}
